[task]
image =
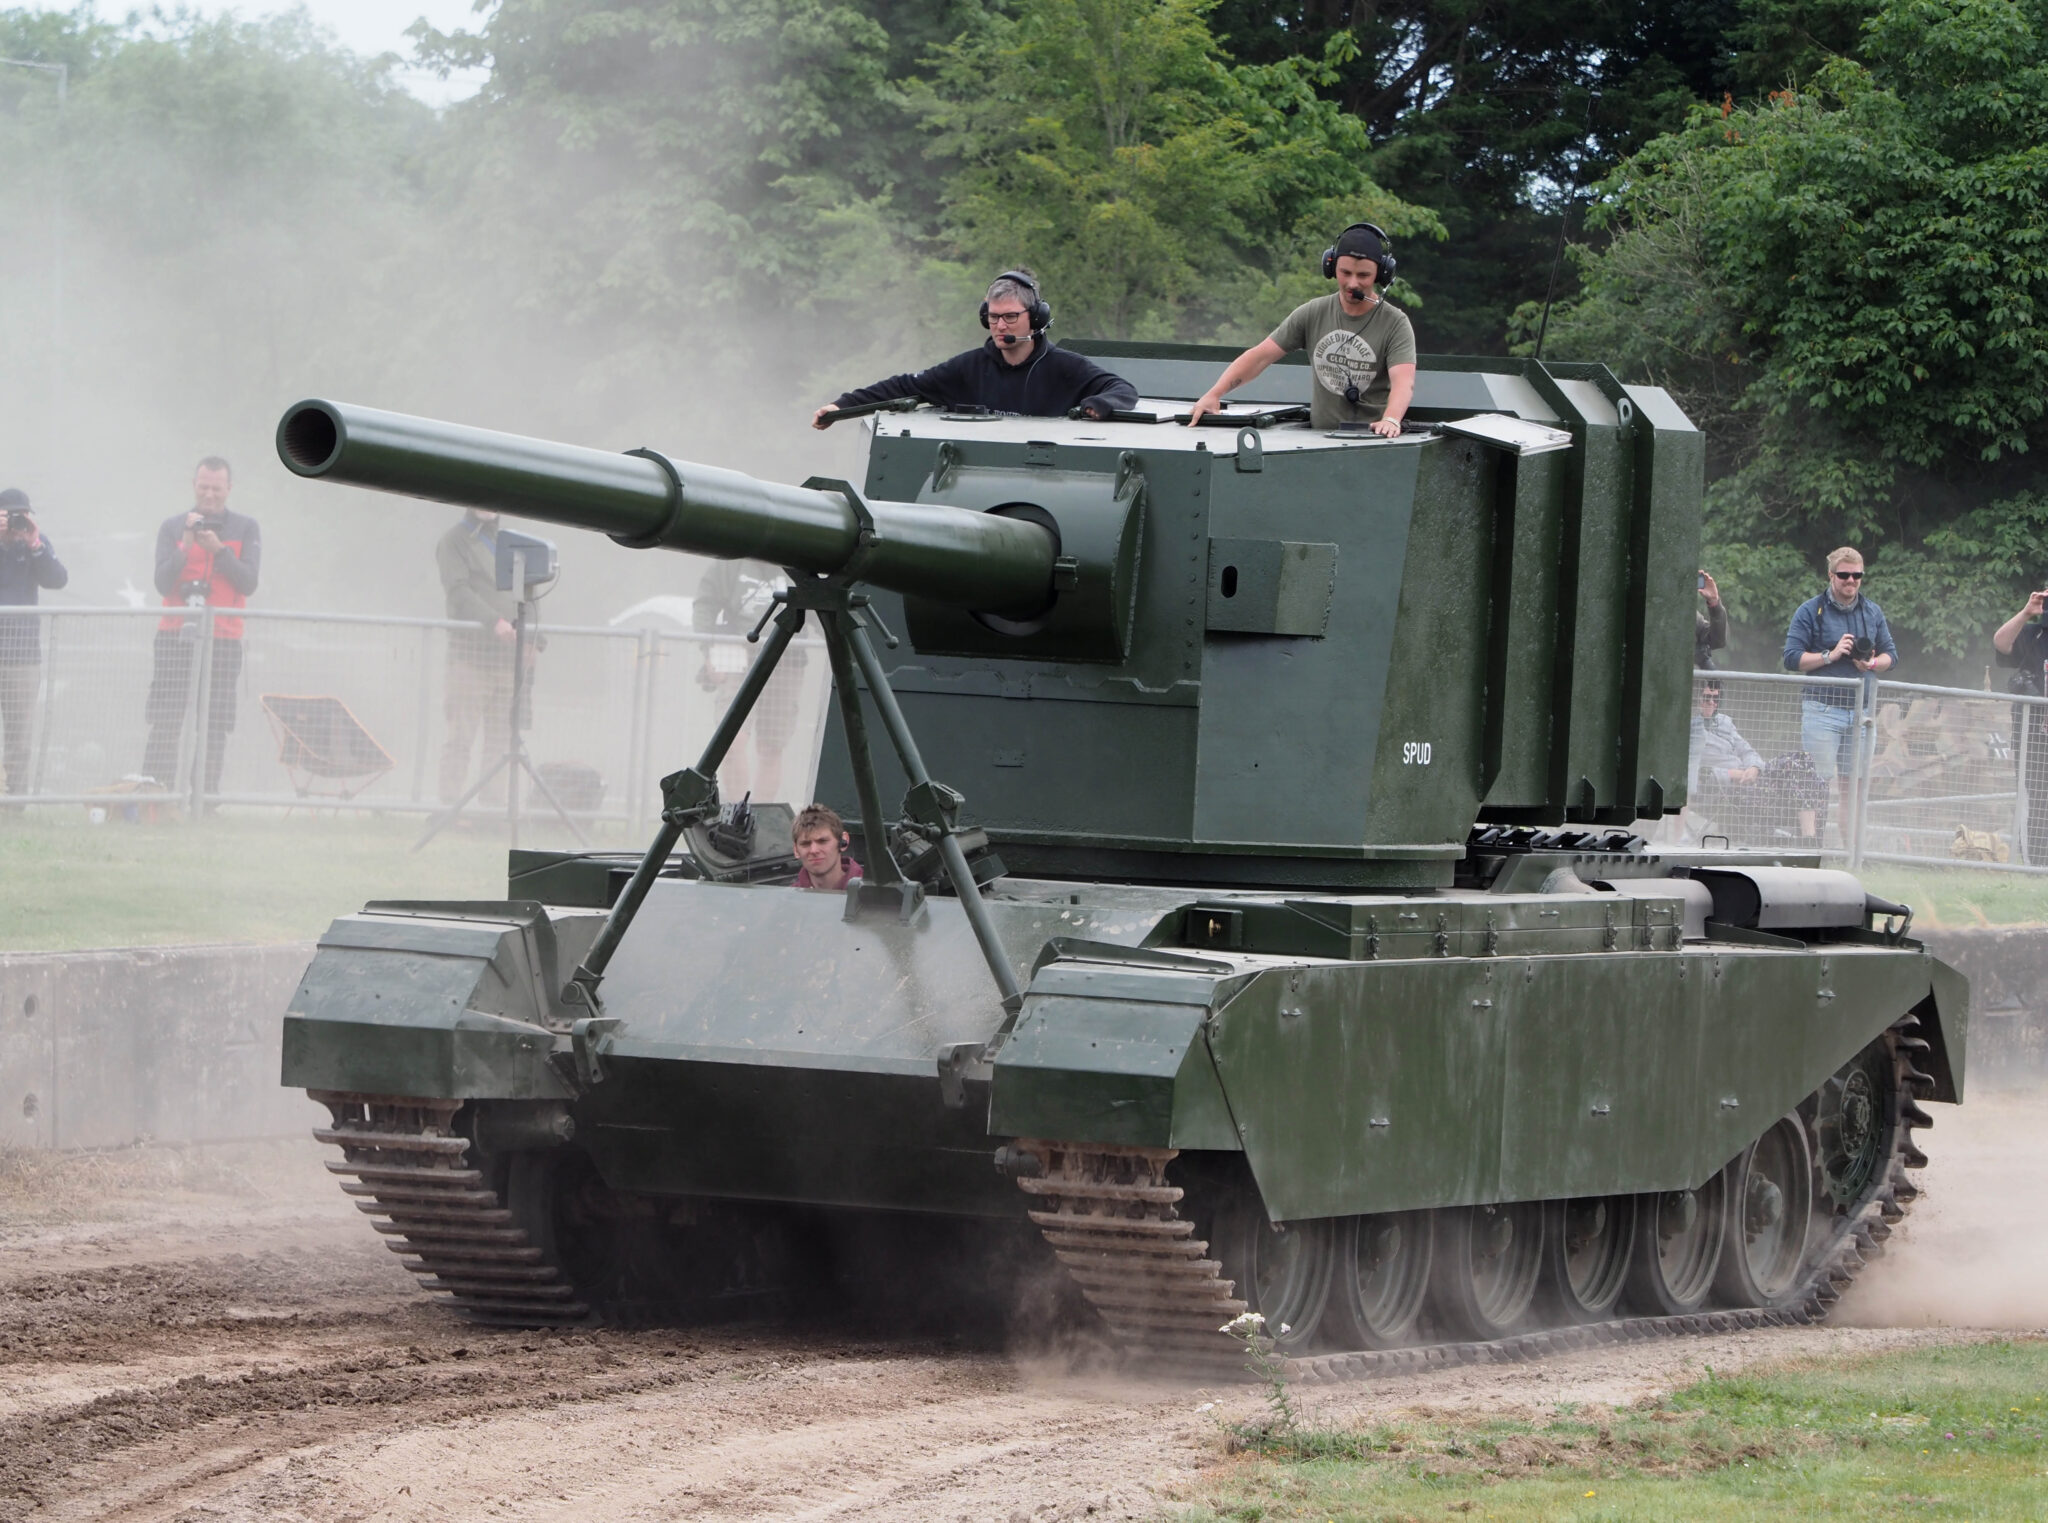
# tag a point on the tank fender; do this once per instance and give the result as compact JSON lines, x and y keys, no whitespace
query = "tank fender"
{"x":1945,"y":1027}
{"x":1113,"y":1052}
{"x":437,"y":1000}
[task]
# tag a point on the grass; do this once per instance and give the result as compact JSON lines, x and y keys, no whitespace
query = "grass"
{"x":66,"y":884}
{"x":1953,"y":898}
{"x":1958,"y":1432}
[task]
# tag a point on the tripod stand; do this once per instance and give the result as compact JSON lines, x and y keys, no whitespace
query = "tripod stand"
{"x":515,"y":760}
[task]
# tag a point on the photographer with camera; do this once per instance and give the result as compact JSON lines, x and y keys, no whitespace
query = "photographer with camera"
{"x":1840,"y":633}
{"x":206,"y":557}
{"x":28,"y":564}
{"x":2022,"y":642}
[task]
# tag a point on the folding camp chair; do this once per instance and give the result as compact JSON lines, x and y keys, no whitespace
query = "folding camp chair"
{"x":318,"y":738}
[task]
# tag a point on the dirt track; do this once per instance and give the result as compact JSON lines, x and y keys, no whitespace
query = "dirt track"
{"x":220,"y":1336}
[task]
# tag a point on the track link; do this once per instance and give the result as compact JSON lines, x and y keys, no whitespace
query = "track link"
{"x":1113,"y":1222}
{"x":403,"y":1163}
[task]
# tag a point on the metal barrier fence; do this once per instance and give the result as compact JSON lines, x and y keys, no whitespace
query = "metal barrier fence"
{"x":357,"y":712}
{"x":1870,"y":770}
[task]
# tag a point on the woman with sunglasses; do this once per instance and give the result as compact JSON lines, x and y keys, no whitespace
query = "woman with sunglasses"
{"x":1840,"y":633}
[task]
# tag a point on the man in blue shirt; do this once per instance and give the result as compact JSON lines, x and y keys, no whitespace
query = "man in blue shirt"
{"x":1841,"y":633}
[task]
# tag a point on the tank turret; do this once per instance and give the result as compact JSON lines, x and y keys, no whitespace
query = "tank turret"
{"x":1253,"y":653}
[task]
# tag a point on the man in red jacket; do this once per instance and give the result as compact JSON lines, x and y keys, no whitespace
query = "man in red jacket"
{"x":206,"y":557}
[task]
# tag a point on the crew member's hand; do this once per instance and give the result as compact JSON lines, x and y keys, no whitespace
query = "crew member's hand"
{"x":504,"y":630}
{"x":208,"y":540}
{"x":1388,"y":428}
{"x":822,"y":417}
{"x":1206,"y":403}
{"x":1711,"y":592}
{"x":1097,"y":409}
{"x":1744,"y":775}
{"x":1842,"y":648}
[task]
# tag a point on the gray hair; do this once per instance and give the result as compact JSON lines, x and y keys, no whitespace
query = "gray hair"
{"x":1004,"y":286}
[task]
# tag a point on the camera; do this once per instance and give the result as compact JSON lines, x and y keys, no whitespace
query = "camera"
{"x":192,"y":593}
{"x":1864,"y":649}
{"x":17,"y":523}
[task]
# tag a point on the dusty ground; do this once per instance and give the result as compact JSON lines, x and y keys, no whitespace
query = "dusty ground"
{"x":217,"y":1335}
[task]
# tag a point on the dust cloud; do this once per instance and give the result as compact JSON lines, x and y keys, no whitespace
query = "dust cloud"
{"x":1973,"y":1250}
{"x":175,"y":277}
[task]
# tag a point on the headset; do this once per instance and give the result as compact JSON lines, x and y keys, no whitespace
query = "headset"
{"x":1385,"y":276}
{"x":1039,"y":310}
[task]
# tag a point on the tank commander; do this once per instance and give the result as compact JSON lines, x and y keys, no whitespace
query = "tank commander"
{"x":819,"y":837}
{"x":1361,"y":347}
{"x":1017,"y":370}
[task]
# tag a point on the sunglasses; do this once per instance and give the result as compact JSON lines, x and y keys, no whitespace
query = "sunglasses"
{"x":1848,"y":576}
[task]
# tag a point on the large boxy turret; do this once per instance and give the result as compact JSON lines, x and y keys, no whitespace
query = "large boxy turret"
{"x":1255,"y":653}
{"x":1340,"y":651}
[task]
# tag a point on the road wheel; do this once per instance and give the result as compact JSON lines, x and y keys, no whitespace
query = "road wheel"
{"x":1770,"y":1216}
{"x":1586,"y":1255}
{"x":1489,"y":1260}
{"x":1678,"y":1247}
{"x":1283,"y":1270}
{"x":1382,"y":1276}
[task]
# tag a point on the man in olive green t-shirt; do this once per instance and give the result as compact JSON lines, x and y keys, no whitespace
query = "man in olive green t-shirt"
{"x":1361,"y":348}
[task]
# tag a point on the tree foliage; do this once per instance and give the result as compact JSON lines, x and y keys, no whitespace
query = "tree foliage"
{"x":1849,"y":281}
{"x":1161,"y":190}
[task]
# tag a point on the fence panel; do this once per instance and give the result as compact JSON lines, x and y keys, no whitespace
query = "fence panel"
{"x":336,"y":710}
{"x":1764,"y":749}
{"x":1944,"y":777}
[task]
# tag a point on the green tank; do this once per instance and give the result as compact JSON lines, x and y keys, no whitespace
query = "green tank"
{"x":1254,"y":916}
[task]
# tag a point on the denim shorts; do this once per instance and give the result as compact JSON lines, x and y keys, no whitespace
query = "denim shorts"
{"x":1827,"y":732}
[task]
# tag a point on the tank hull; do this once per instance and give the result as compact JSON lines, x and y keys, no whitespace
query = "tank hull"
{"x":1491,"y":1048}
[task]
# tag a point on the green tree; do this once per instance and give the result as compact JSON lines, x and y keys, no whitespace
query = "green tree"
{"x":1160,"y":190}
{"x":1850,"y":279}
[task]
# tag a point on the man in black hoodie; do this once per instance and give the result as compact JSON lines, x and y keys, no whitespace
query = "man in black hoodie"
{"x":1018,"y":370}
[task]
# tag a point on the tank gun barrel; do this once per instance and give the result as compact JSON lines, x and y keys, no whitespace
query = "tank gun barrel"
{"x":952,"y":555}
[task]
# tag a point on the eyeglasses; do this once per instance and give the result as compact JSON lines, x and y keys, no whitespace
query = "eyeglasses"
{"x":1848,"y":576}
{"x":1710,"y":698}
{"x":1008,"y":317}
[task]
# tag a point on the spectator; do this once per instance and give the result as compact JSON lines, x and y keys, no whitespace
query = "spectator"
{"x":479,"y":683}
{"x":819,"y":838}
{"x":2022,"y":642}
{"x":1710,"y":626}
{"x":1719,"y":753}
{"x":1840,"y":633}
{"x":730,"y":601}
{"x":206,"y":557}
{"x":28,"y":564}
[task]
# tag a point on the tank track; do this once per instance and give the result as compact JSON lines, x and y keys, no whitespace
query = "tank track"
{"x":401,"y":1161}
{"x":1112,"y":1221}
